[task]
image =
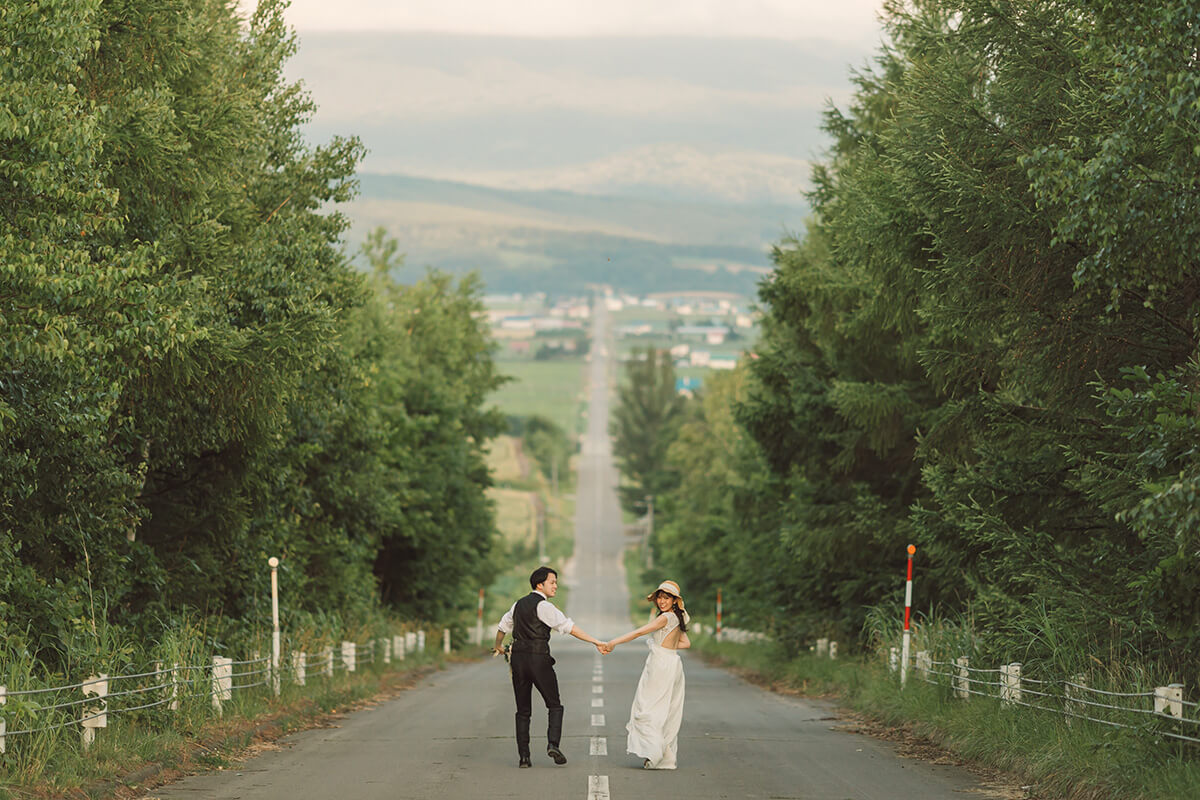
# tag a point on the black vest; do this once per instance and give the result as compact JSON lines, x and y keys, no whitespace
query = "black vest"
{"x":526,"y":625}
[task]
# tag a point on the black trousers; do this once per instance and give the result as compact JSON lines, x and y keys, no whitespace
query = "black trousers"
{"x":529,"y":670}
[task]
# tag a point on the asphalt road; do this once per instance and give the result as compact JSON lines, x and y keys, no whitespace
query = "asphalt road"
{"x":451,"y":737}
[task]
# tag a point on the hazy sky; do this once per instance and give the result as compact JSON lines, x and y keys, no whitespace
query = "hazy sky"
{"x":841,"y":20}
{"x":719,"y":97}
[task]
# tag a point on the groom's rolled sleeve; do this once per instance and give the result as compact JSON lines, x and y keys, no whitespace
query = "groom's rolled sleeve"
{"x":506,"y":622}
{"x":557,"y":620}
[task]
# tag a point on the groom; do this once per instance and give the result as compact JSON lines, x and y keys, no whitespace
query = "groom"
{"x":530,"y":621}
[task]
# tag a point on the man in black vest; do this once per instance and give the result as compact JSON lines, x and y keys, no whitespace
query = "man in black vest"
{"x":530,"y":621}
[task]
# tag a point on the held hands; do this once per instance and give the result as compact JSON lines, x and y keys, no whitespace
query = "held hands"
{"x":605,"y":647}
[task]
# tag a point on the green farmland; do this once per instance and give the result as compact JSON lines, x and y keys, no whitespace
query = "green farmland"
{"x":553,"y":389}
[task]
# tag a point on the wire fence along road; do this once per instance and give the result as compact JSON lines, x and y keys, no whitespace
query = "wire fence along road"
{"x":26,"y":712}
{"x":1160,"y":712}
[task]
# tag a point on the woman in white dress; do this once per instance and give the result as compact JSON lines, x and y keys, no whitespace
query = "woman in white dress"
{"x":658,"y":702}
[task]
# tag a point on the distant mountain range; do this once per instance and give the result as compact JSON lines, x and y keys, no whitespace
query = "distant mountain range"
{"x":524,"y":240}
{"x":649,"y":162}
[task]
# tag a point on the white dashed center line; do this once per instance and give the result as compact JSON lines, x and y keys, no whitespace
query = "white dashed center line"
{"x":598,"y":787}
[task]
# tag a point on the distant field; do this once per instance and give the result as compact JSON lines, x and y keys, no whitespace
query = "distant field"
{"x":631,"y":314}
{"x":550,"y":388}
{"x":505,"y":461}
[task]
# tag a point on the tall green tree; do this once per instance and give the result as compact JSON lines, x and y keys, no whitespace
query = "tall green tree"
{"x":986,"y":341}
{"x":644,"y":420}
{"x":193,"y":376}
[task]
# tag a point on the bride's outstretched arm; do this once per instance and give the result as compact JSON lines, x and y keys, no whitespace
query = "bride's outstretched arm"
{"x":649,"y":627}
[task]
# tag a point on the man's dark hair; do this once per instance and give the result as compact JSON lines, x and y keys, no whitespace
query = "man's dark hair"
{"x":539,"y":576}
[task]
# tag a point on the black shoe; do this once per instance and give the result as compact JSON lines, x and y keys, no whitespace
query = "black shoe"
{"x":556,"y":754}
{"x":524,"y":762}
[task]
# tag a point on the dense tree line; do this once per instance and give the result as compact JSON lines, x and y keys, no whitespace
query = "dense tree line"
{"x":985,"y":344}
{"x":192,"y":376}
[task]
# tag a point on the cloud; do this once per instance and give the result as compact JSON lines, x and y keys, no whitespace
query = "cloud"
{"x":352,"y":89}
{"x":843,"y":20}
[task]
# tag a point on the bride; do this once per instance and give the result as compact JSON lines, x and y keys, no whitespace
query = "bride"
{"x":658,"y":703}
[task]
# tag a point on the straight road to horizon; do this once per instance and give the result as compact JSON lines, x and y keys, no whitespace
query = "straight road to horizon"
{"x":451,"y":736}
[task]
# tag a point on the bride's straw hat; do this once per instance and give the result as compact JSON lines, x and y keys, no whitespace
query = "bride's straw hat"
{"x":671,"y":588}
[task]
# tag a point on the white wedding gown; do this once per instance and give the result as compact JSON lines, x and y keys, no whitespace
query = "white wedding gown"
{"x":658,"y":703}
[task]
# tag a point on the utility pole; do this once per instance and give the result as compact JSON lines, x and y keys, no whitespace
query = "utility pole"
{"x":541,"y":523}
{"x":649,"y":530}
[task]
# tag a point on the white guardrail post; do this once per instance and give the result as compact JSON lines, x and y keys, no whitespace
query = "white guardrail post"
{"x":222,"y":682}
{"x":3,"y":723}
{"x":962,"y":680}
{"x":1010,"y":680}
{"x":349,"y":656}
{"x":1168,"y":700}
{"x":94,"y":716}
{"x":298,"y":667}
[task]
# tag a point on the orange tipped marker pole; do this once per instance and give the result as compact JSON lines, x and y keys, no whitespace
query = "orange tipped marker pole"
{"x":912,"y":549}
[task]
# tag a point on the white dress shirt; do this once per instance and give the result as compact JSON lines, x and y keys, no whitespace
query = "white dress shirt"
{"x":547,"y":613}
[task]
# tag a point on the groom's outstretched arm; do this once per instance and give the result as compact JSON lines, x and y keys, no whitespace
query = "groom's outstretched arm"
{"x":582,"y":635}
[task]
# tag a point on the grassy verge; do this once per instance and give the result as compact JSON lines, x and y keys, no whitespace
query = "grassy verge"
{"x":1081,"y":761}
{"x":140,"y":752}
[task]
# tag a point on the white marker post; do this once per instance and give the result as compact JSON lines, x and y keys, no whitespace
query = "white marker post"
{"x":274,"y":564}
{"x":907,"y":618}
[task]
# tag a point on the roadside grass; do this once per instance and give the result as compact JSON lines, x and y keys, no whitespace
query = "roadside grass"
{"x":1078,"y":761}
{"x":144,"y":749}
{"x":1082,"y":761}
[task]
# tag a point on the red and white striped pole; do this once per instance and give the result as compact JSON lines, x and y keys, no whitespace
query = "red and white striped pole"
{"x":479,"y":619}
{"x":718,"y":614}
{"x":907,"y":618}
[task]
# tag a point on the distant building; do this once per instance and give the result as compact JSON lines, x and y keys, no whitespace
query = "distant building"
{"x":634,"y":329}
{"x":518,"y":322}
{"x":712,"y":334}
